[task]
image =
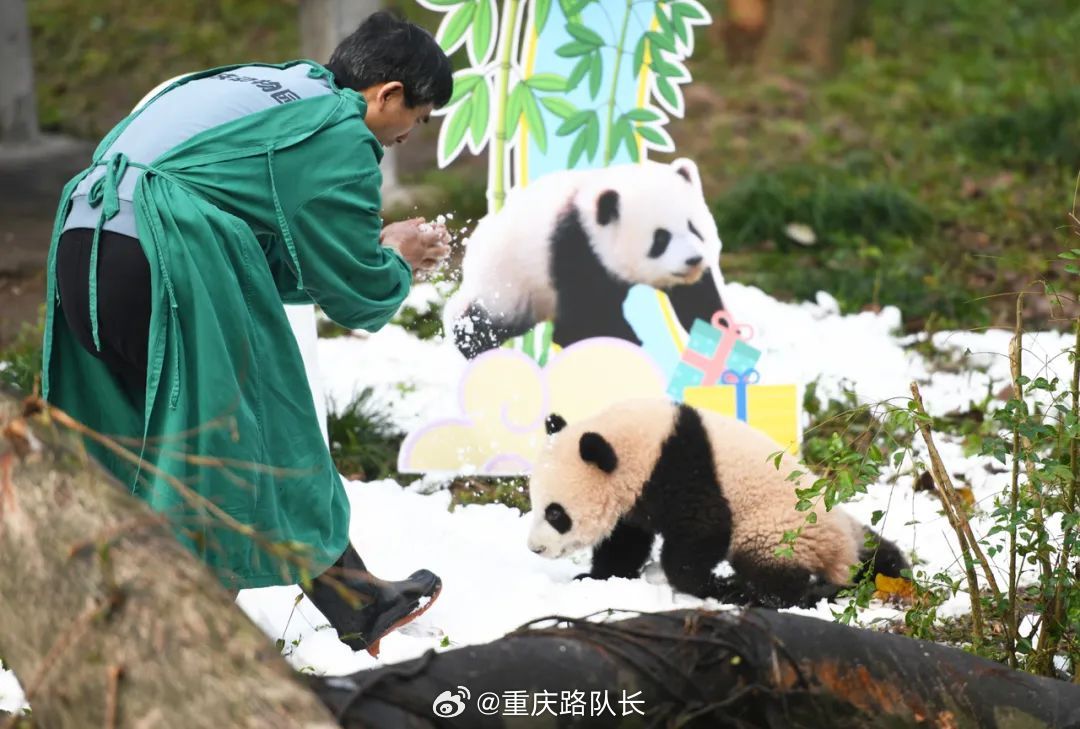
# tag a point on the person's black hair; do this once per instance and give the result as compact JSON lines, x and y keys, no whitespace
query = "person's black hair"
{"x":387,"y":48}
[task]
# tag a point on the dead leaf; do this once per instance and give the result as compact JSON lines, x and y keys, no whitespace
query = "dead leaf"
{"x":893,"y":588}
{"x":966,"y":495}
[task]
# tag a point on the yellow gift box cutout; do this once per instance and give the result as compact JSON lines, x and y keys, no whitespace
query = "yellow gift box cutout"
{"x":772,"y":409}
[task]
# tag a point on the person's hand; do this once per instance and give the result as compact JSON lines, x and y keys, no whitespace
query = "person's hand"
{"x":424,"y":245}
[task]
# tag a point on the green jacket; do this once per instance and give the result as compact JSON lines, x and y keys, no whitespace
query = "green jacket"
{"x":278,"y":206}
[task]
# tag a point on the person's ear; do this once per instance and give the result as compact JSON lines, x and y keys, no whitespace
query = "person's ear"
{"x":389,"y":91}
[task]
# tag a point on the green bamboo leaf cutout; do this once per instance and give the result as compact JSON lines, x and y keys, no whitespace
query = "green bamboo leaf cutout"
{"x":559,"y":107}
{"x":618,"y":131}
{"x":482,"y":30}
{"x":536,"y":120}
{"x":632,"y":146}
{"x":682,"y":27}
{"x":661,"y":41}
{"x":596,"y":74}
{"x":583,"y":34}
{"x":481,"y":102}
{"x":576,"y":150}
{"x":667,"y":91}
{"x":642,"y":115}
{"x":654,"y":135}
{"x":626,"y":135}
{"x":457,"y":25}
{"x":514,"y":110}
{"x":546,"y":82}
{"x":592,"y":136}
{"x":578,"y":73}
{"x":689,"y":10}
{"x":543,"y":9}
{"x":665,"y":23}
{"x":664,"y":68}
{"x":573,"y":123}
{"x":572,"y":8}
{"x":639,"y":55}
{"x":458,"y":124}
{"x":445,"y":3}
{"x":573,"y":49}
{"x":463,"y":86}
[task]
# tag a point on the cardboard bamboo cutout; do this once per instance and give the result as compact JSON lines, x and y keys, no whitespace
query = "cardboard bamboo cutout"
{"x":573,"y":84}
{"x":553,"y":86}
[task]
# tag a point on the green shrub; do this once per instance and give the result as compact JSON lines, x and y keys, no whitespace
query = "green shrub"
{"x":20,"y":363}
{"x":364,"y":441}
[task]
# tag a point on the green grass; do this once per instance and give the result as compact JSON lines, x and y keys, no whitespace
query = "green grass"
{"x":20,"y":362}
{"x":93,"y":60}
{"x":935,"y":167}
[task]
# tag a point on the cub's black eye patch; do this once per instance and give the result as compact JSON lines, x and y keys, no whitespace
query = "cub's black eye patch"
{"x":557,"y":517}
{"x":695,"y":231}
{"x":660,"y":241}
{"x":554,"y":423}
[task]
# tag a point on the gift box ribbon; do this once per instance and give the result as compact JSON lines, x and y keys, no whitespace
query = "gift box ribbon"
{"x":740,"y":380}
{"x":713,"y":367}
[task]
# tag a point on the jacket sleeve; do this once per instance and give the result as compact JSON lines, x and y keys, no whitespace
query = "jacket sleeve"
{"x":358,"y":282}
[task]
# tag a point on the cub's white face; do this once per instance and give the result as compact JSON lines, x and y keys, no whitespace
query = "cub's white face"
{"x":663,"y":233}
{"x":590,"y":474}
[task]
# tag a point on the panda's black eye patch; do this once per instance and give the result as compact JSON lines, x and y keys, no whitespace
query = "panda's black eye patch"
{"x":557,"y":517}
{"x":660,"y":241}
{"x":695,"y":231}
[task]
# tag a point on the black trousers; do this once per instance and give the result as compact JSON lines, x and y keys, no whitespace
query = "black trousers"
{"x":123,"y":294}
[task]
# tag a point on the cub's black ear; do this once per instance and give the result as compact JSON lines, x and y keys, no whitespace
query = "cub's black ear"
{"x":554,"y":424}
{"x":688,"y":170}
{"x":596,"y":450}
{"x":607,"y":207}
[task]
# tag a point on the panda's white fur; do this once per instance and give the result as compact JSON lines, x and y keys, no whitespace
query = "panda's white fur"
{"x":760,"y":496}
{"x":507,"y":267}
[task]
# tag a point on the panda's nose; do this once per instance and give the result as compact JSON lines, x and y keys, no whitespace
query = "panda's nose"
{"x":694,"y":261}
{"x":538,"y":550}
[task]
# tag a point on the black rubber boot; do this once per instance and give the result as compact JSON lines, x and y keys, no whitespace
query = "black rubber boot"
{"x":384,"y":606}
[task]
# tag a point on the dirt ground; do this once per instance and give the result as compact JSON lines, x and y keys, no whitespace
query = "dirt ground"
{"x":31,"y":177}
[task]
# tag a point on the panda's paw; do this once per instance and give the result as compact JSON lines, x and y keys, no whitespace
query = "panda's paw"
{"x":583,"y":576}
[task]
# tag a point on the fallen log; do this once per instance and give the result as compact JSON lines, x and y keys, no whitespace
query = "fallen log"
{"x":757,"y":668}
{"x":105,"y":618}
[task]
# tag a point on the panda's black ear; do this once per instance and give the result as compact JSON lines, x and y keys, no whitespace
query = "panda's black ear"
{"x":554,"y":423}
{"x":596,"y":450}
{"x":607,"y":207}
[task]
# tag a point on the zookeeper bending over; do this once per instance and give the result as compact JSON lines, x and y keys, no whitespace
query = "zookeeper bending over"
{"x":231,"y":192}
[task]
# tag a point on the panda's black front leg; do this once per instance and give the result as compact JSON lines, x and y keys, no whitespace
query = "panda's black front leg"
{"x":477,"y":331}
{"x":689,"y":564}
{"x":622,"y":554}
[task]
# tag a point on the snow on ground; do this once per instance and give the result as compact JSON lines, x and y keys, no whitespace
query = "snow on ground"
{"x":493,"y":583}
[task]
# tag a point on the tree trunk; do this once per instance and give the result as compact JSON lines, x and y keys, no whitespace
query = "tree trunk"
{"x":324,"y":24}
{"x":108,"y":621}
{"x":18,"y":105}
{"x":755,"y":669}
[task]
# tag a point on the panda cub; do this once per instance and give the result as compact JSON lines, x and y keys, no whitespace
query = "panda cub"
{"x":568,"y":247}
{"x":706,"y":483}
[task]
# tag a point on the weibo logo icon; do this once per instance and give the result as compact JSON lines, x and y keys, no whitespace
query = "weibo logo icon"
{"x":449,"y":704}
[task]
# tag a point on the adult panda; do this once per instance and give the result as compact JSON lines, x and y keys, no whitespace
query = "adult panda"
{"x":706,"y":483}
{"x":568,"y":247}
